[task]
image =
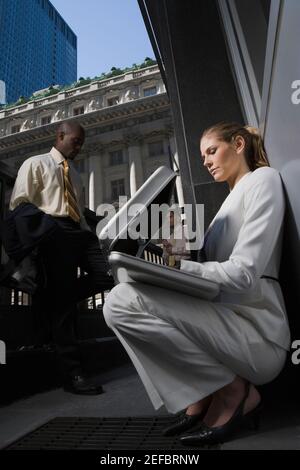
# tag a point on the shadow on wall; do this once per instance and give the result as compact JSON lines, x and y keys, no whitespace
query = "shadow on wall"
{"x":290,"y":261}
{"x":289,"y":275}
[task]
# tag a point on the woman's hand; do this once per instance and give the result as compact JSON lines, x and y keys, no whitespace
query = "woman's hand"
{"x":168,"y":247}
{"x":177,"y":264}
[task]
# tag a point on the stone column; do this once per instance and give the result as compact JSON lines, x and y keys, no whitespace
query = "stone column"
{"x":136,"y":177}
{"x":174,"y":152}
{"x":95,"y":180}
{"x":91,"y":184}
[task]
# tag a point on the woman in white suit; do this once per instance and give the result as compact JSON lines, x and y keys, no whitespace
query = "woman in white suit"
{"x":205,"y":357}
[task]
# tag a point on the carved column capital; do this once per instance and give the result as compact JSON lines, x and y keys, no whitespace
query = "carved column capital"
{"x":133,"y":139}
{"x":95,"y":148}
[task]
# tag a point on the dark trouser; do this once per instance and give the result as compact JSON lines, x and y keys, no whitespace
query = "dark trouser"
{"x":70,"y":248}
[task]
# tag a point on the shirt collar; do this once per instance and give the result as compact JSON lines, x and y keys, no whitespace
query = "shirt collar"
{"x":56,"y":155}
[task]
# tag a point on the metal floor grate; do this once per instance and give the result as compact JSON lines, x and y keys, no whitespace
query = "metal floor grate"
{"x":138,"y":433}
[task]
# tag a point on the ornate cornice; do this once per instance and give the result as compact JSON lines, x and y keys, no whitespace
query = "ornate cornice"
{"x":91,"y":148}
{"x":112,"y":84}
{"x":140,"y":110}
{"x":93,"y":144}
{"x":169,"y":130}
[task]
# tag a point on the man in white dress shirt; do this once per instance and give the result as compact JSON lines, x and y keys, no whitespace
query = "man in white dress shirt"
{"x":52,"y":184}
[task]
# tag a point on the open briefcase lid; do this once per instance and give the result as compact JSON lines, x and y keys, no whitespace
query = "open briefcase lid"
{"x":116,"y":233}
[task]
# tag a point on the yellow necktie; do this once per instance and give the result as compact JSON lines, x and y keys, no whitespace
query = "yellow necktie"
{"x":71,"y":200}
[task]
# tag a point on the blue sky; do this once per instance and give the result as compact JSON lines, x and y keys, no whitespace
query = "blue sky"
{"x":110,"y":33}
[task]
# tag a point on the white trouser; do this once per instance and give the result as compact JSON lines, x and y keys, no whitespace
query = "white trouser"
{"x":185,"y":348}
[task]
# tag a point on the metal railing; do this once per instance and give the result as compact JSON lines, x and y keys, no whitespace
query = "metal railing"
{"x":19,"y":297}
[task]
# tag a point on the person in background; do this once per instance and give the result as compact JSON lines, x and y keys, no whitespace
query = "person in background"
{"x":51,"y":183}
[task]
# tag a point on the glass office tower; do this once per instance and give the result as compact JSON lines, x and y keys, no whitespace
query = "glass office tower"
{"x":37,"y":47}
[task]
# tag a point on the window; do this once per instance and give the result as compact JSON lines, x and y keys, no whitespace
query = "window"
{"x":156,"y":148}
{"x":150,"y":91}
{"x":51,"y":12}
{"x":15,"y":129}
{"x":45,"y":120}
{"x":112,"y":101}
{"x":117,"y":189}
{"x":116,"y":157}
{"x":79,"y":110}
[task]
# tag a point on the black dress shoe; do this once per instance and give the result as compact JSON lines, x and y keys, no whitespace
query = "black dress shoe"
{"x":183,"y":423}
{"x":81,"y":385}
{"x":216,"y":435}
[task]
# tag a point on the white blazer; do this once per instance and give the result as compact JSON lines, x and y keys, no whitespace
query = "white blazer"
{"x":242,"y":243}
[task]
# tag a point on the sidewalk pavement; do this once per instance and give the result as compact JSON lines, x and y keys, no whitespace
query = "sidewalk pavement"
{"x":125,"y":396}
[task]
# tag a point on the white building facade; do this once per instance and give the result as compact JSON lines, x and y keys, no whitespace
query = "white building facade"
{"x":129,"y":132}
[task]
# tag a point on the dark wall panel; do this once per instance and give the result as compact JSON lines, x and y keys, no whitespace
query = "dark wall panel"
{"x":200,"y":84}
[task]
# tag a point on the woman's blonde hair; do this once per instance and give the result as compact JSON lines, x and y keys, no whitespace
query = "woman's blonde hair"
{"x":255,"y":152}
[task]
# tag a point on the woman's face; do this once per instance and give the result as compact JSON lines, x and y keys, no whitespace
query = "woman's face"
{"x":225,"y":161}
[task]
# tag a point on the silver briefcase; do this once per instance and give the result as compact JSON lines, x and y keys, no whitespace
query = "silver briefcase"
{"x":125,"y":253}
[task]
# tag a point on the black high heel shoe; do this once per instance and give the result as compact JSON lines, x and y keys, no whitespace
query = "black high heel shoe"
{"x":216,"y":435}
{"x":183,"y":423}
